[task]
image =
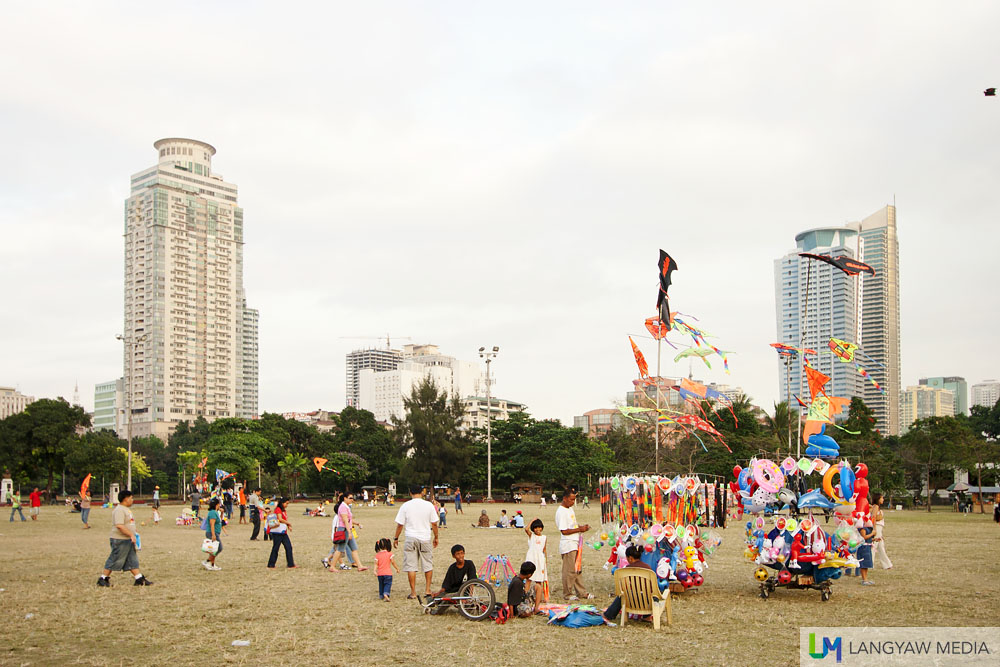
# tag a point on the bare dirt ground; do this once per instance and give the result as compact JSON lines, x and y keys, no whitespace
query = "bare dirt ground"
{"x":947,"y":572}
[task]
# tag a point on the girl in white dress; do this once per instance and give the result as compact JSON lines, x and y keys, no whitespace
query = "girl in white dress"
{"x":879,"y":545}
{"x":536,"y":554}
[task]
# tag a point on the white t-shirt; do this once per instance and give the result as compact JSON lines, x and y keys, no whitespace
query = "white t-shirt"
{"x":565,"y":520}
{"x":416,"y":516}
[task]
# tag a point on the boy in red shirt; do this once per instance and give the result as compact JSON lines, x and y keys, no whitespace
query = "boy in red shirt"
{"x":35,"y":501}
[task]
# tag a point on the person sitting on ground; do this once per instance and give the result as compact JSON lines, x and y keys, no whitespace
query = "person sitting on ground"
{"x":484,"y":520}
{"x":504,"y":521}
{"x":523,"y":594}
{"x":518,"y":519}
{"x":633,"y":555}
{"x":458,"y":572}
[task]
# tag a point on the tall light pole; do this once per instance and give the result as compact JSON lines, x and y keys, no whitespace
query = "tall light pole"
{"x":131,"y":345}
{"x":489,"y":356}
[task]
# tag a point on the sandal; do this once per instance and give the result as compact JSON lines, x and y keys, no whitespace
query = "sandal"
{"x":412,"y":597}
{"x":362,"y":568}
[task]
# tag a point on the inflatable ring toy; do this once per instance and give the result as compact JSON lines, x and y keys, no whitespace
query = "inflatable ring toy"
{"x":630,"y":484}
{"x":768,"y":475}
{"x":828,"y":487}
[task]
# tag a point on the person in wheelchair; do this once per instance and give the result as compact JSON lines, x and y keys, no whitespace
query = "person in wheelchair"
{"x":458,"y":572}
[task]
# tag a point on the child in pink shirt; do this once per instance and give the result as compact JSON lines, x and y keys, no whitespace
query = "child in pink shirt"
{"x":384,"y":562}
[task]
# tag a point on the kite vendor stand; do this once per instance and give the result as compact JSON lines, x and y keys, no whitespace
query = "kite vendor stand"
{"x":672,"y":520}
{"x":803,"y":555}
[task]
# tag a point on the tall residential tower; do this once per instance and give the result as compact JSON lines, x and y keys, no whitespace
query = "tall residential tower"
{"x":185,"y":314}
{"x":862,"y":309}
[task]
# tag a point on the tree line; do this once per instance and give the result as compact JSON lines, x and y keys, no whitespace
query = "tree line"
{"x":426,"y":446}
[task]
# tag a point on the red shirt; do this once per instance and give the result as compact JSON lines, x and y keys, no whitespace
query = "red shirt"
{"x":35,"y":499}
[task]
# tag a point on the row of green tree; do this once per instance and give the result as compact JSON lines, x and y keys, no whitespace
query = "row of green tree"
{"x":428,"y":446}
{"x":50,"y":439}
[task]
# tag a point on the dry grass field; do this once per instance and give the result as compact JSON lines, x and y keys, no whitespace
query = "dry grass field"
{"x":947,"y":572}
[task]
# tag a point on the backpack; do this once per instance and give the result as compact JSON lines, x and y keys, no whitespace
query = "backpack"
{"x":501,"y":613}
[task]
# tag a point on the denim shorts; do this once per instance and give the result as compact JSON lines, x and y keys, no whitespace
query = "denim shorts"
{"x":123,"y":556}
{"x":348,"y":546}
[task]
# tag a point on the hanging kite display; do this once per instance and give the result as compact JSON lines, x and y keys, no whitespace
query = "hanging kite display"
{"x":789,"y":351}
{"x":640,"y":360}
{"x":666,"y":266}
{"x":700,"y":352}
{"x":320,"y":464}
{"x":846,"y":352}
{"x":657,"y":329}
{"x":851,"y":267}
{"x":689,"y":389}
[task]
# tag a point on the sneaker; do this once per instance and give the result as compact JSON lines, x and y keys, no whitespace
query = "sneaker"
{"x":106,"y":583}
{"x":205,"y":564}
{"x":216,"y":568}
{"x":326,"y":563}
{"x":572,"y":598}
{"x":345,"y":567}
{"x":867,"y":583}
{"x":293,"y":567}
{"x":590,"y":596}
{"x":142,"y":581}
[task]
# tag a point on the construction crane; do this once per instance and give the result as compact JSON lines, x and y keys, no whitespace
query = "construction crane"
{"x":388,"y":340}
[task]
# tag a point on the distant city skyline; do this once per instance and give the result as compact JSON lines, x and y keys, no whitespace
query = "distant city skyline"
{"x":484,"y":175}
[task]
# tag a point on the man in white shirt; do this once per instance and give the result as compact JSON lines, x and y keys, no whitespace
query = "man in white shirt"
{"x":569,"y":544}
{"x":420,"y":520}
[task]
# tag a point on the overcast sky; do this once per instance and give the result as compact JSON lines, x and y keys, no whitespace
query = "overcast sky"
{"x":482,"y":173}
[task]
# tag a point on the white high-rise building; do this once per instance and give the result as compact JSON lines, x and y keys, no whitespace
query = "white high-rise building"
{"x":986,"y":393}
{"x":382,"y":392}
{"x":184,"y":298}
{"x":248,"y":394}
{"x":859,"y":309}
{"x":12,"y":401}
{"x":377,"y":360}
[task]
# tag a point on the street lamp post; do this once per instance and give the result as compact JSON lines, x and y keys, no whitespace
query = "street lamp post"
{"x":131,"y":345}
{"x":489,"y":356}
